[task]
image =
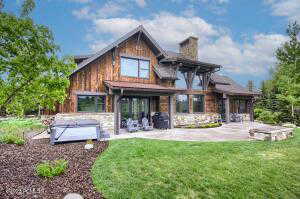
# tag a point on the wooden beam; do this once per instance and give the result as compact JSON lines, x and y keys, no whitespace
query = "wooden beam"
{"x":116,"y":114}
{"x":251,"y":111}
{"x":171,"y":111}
{"x":227,"y":109}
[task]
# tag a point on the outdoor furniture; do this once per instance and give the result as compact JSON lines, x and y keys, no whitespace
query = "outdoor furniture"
{"x":235,"y":117}
{"x":132,"y":125}
{"x":161,"y":120}
{"x":74,"y":130}
{"x":145,"y":125}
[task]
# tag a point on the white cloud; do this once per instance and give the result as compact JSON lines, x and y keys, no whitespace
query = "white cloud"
{"x":141,"y":3}
{"x":109,"y":9}
{"x":286,"y":8}
{"x":254,"y":57}
{"x":215,"y":43}
{"x":168,"y":29}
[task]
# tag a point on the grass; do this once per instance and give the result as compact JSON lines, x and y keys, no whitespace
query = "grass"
{"x":140,"y":168}
{"x":11,"y":130}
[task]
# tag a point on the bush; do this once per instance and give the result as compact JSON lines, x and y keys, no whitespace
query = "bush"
{"x":257,"y":112}
{"x":268,"y":117}
{"x":51,"y":169}
{"x":12,"y":139}
{"x":210,"y":125}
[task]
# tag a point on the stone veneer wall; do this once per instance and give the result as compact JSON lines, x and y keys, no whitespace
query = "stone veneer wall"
{"x":106,"y":119}
{"x":183,"y":119}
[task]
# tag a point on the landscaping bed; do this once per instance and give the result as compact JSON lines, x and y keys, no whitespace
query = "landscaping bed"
{"x":18,"y":177}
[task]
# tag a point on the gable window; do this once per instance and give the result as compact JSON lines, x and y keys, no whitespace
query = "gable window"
{"x":198,"y":103}
{"x":90,"y":103}
{"x":133,"y":67}
{"x":182,"y":103}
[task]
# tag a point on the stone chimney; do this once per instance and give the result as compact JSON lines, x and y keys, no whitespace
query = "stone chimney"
{"x":189,"y":48}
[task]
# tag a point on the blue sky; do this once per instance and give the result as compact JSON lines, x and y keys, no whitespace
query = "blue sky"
{"x":241,"y":35}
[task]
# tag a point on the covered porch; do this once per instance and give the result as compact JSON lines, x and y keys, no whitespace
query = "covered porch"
{"x":137,"y":100}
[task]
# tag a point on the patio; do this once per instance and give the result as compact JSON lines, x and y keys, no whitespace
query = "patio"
{"x":227,"y":132}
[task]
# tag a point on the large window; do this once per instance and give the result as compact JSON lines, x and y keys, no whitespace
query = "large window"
{"x":198,"y":103}
{"x":182,"y":104}
{"x":87,"y":103}
{"x":135,"y":67}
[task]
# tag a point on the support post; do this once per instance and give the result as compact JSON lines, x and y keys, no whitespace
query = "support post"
{"x":227,"y":109}
{"x":171,"y":111}
{"x":116,"y":114}
{"x":251,"y":111}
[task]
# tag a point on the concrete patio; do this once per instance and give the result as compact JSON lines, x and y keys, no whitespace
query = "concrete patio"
{"x":227,"y":132}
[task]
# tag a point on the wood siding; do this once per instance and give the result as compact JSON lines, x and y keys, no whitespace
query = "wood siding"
{"x":91,"y":78}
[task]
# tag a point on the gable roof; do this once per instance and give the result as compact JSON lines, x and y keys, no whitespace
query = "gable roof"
{"x":224,"y":84}
{"x":139,"y":29}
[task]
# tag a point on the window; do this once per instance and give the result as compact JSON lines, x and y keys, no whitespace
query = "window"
{"x":198,"y":103}
{"x":135,"y":67}
{"x":182,"y":104}
{"x":88,"y":103}
{"x":242,"y":106}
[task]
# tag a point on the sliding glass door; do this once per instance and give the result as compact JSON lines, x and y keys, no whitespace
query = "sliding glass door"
{"x":134,"y":108}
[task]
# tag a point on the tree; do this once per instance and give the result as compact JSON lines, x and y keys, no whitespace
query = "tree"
{"x":31,"y":74}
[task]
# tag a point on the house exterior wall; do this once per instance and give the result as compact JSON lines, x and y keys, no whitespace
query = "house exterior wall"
{"x":92,"y":77}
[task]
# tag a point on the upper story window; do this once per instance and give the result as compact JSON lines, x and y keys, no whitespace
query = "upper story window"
{"x":90,"y":103}
{"x":133,"y":67}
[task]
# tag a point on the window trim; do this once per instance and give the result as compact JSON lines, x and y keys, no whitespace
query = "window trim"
{"x":188,"y":104}
{"x":139,"y":69}
{"x":203,"y":103}
{"x":95,"y":101}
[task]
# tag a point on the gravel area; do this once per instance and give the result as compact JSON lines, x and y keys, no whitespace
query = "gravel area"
{"x":19,"y":180}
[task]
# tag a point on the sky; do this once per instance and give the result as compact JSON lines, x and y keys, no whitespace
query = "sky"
{"x":240,"y":35}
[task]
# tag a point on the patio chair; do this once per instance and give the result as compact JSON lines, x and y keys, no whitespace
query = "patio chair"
{"x":132,"y":125}
{"x":145,"y":125}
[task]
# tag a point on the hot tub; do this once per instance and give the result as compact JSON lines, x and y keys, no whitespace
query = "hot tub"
{"x":74,"y":130}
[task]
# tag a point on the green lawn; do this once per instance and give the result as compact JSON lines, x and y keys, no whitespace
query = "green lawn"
{"x":140,"y":168}
{"x":18,"y":126}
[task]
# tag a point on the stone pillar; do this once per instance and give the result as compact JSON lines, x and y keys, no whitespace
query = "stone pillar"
{"x":116,"y":114}
{"x":227,"y":109}
{"x":171,"y":111}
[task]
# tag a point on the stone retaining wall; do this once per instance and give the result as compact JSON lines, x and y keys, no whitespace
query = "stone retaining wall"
{"x":106,"y":119}
{"x":184,"y":119}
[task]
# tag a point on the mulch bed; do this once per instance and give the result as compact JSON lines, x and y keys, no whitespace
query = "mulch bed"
{"x":19,"y":180}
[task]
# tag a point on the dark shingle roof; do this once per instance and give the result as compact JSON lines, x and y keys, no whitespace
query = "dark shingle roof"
{"x":165,"y":72}
{"x":224,"y":84}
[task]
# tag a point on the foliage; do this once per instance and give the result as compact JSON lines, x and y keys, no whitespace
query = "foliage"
{"x":266,"y":116}
{"x":17,"y":126}
{"x":210,"y":125}
{"x":282,"y":92}
{"x":50,"y":169}
{"x":11,"y":139}
{"x":31,"y":74}
{"x":141,"y":168}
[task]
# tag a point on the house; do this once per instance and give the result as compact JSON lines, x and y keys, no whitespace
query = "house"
{"x":134,"y":76}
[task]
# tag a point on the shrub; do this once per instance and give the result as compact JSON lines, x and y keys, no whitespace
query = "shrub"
{"x":51,"y":169}
{"x":269,"y":117}
{"x":257,"y":112}
{"x":210,"y":125}
{"x":11,"y":139}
